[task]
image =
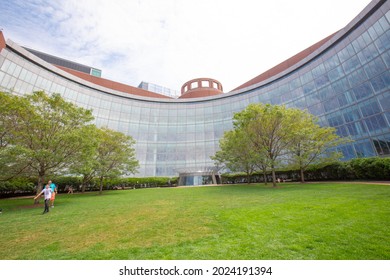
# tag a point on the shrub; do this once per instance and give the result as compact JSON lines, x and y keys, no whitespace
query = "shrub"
{"x":374,"y":168}
{"x":16,"y":187}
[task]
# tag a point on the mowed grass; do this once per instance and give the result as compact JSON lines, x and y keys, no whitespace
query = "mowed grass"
{"x":234,"y":222}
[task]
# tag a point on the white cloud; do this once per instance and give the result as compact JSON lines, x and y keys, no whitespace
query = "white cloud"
{"x":172,"y":41}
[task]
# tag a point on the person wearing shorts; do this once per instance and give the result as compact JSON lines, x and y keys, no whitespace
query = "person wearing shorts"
{"x":53,"y":196}
{"x":53,"y":188}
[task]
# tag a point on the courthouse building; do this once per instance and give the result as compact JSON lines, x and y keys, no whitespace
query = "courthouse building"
{"x":344,"y":80}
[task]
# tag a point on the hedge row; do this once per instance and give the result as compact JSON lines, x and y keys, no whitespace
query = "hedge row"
{"x":19,"y":186}
{"x":356,"y":169}
{"x":28,"y":186}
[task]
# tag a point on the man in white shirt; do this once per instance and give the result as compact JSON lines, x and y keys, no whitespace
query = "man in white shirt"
{"x":47,"y":192}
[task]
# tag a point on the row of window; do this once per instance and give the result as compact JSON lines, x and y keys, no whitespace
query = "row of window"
{"x":379,"y":145}
{"x":373,"y":124}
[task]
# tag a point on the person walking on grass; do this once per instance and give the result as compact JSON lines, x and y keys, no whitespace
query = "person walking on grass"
{"x":47,"y":193}
{"x":53,"y":188}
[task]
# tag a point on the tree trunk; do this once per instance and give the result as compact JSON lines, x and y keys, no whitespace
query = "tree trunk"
{"x":248,"y":178}
{"x":86,"y":180}
{"x":41,"y":179}
{"x":302,"y":176}
{"x":83,"y":185}
{"x":101,"y":185}
{"x":273,"y":176}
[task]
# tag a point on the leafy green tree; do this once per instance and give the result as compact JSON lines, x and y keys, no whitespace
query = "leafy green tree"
{"x":12,"y":160}
{"x":115,"y":155}
{"x":50,"y":132}
{"x":88,"y":161}
{"x":108,"y":154}
{"x":313,"y":143}
{"x":271,"y":129}
{"x":236,"y":153}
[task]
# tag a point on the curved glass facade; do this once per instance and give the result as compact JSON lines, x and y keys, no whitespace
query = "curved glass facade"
{"x":346,"y":83}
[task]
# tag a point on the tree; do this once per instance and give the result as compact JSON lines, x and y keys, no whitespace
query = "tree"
{"x":114,"y":156}
{"x":87,"y":162}
{"x":11,"y":164}
{"x":49,"y":132}
{"x":312,"y":144}
{"x":236,"y":153}
{"x":271,"y":130}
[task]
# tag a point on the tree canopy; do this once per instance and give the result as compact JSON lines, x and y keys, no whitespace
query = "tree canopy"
{"x":313,"y":145}
{"x":273,"y":136}
{"x":42,"y":135}
{"x":236,"y":153}
{"x":12,"y":161}
{"x":108,"y":154}
{"x":47,"y":131}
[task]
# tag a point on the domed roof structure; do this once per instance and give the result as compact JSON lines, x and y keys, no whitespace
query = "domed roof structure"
{"x":201,"y":87}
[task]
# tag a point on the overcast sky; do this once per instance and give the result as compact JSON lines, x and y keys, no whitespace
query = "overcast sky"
{"x":169,"y":42}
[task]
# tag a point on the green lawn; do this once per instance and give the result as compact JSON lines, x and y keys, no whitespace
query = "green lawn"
{"x":242,"y":222}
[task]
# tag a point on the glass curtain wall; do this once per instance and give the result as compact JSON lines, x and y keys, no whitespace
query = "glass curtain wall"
{"x":347,"y":86}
